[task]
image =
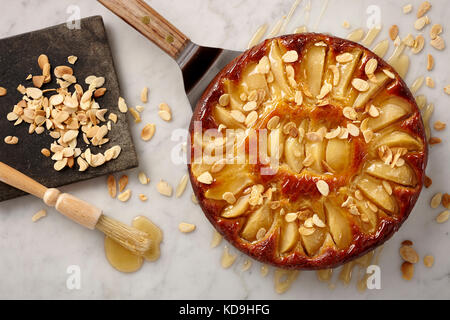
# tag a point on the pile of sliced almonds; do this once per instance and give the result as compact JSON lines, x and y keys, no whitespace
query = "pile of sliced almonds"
{"x":66,"y":116}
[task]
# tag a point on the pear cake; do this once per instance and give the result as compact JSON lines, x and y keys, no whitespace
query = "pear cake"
{"x":341,"y":151}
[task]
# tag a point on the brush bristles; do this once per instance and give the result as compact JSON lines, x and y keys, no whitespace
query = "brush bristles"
{"x":130,"y":238}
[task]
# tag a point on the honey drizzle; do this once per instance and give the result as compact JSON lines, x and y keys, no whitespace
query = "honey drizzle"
{"x":322,"y":11}
{"x":324,"y":275}
{"x":370,"y":36}
{"x":289,"y":16}
{"x":228,"y":259}
{"x":381,"y":48}
{"x":257,"y":36}
{"x":264,"y":270}
{"x":246,"y":265}
{"x":301,"y":29}
{"x":216,"y":240}
{"x":125,"y":261}
{"x":356,"y":35}
{"x":283,"y":279}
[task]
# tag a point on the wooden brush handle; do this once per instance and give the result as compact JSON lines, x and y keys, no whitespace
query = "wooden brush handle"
{"x":149,"y":23}
{"x":78,"y":210}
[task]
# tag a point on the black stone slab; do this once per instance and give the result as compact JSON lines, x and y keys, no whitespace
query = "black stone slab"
{"x":18,"y":58}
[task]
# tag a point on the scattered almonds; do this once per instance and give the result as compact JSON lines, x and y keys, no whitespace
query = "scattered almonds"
{"x":290,"y":56}
{"x":435,"y":30}
{"x":323,"y":187}
{"x":344,"y":57}
{"x":393,"y":32}
{"x":421,"y":23}
{"x":360,"y":84}
{"x":429,"y":82}
{"x":407,"y":8}
{"x":144,"y":95}
{"x":122,"y":105}
{"x":430,"y":62}
{"x":436,"y":200}
{"x":229,"y":197}
{"x":438,"y":43}
{"x":72,"y":59}
{"x":186,"y":227}
{"x":423,"y":8}
{"x":143,"y":179}
{"x":205,"y":178}
{"x":123,"y":182}
{"x":439,"y":126}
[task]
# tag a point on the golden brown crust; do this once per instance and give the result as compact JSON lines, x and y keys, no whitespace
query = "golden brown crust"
{"x":294,"y":186}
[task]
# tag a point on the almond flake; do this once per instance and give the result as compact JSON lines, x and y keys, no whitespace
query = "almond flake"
{"x":326,"y":88}
{"x":164,"y":188}
{"x":423,"y":8}
{"x":124,"y":196}
{"x":429,"y":82}
{"x":443,"y":216}
{"x":144,"y":95}
{"x":344,"y":57}
{"x":250,"y":106}
{"x":438,"y":43}
{"x":148,"y":131}
{"x":436,"y":200}
{"x":419,"y":43}
{"x":407,"y":269}
{"x":290,"y":217}
{"x":323,"y":187}
{"x":349,"y":113}
{"x":371,"y":66}
{"x":298,"y":98}
{"x":186,"y":227}
{"x":389,"y":73}
{"x":317,"y":221}
{"x":38,"y":215}
{"x":275,"y":120}
{"x":336,"y":75}
{"x":205,"y":178}
{"x":290,"y":56}
{"x":123,"y":181}
{"x":352,"y":129}
{"x":263,"y":65}
{"x":164,"y":115}
{"x":306,"y":231}
{"x":408,"y":254}
{"x":407,"y":8}
{"x":436,"y":30}
{"x":428,"y":261}
{"x":360,"y":84}
{"x":181,"y":186}
{"x":430,"y":62}
{"x":421,"y":23}
{"x":393,"y":32}
{"x":238,"y":116}
{"x":143,"y":179}
{"x":373,"y":111}
{"x":11,"y":140}
{"x":229,"y":197}
{"x":122,"y":105}
{"x":224,"y":100}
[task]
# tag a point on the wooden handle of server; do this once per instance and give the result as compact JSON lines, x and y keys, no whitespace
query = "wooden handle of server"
{"x":75,"y":209}
{"x":149,"y":23}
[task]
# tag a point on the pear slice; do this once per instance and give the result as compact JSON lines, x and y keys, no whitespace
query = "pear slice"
{"x":277,"y":67}
{"x":328,"y":244}
{"x":338,"y":154}
{"x":370,"y":226}
{"x":289,"y":236}
{"x":233,"y":91}
{"x":397,"y":139}
{"x":237,"y":209}
{"x":374,"y":87}
{"x":373,"y":189}
{"x":315,"y":61}
{"x":251,"y":79}
{"x":338,"y":224}
{"x":221,"y":115}
{"x":346,"y":71}
{"x":403,"y":175}
{"x":389,"y":113}
{"x":261,"y":218}
{"x":317,"y":152}
{"x":313,"y":242}
{"x":294,"y":154}
{"x":232,"y":178}
{"x":275,"y":143}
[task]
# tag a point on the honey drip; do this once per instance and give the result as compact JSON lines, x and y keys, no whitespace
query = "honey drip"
{"x":257,"y":36}
{"x":227,"y":258}
{"x":356,"y":35}
{"x":370,"y":36}
{"x":264,"y":270}
{"x":284,"y":279}
{"x":381,"y":48}
{"x":125,"y":261}
{"x":246,"y":265}
{"x":324,"y":275}
{"x":216,"y":240}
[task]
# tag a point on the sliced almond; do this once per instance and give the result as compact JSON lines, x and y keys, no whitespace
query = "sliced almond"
{"x":443,"y":216}
{"x":124,"y":196}
{"x":323,"y":187}
{"x":181,"y":186}
{"x":224,"y":99}
{"x":148,"y":131}
{"x":407,"y":269}
{"x":389,"y":73}
{"x":275,"y":120}
{"x":229,"y":197}
{"x":123,"y":181}
{"x":439,"y":126}
{"x":423,"y":9}
{"x":435,"y":30}
{"x":428,"y":261}
{"x":360,"y":84}
{"x":62,"y":70}
{"x":393,"y":32}
{"x":39,"y":215}
{"x":436,"y":200}
{"x":419,"y":43}
{"x":60,"y":164}
{"x":421,"y":23}
{"x":112,"y":186}
{"x":344,"y":57}
{"x":429,"y":82}
{"x":409,"y":254}
{"x":122,"y":105}
{"x":143,"y":179}
{"x":165,"y":115}
{"x":11,"y":140}
{"x":407,"y":8}
{"x":290,"y":56}
{"x":438,"y":43}
{"x":349,"y":113}
{"x":144,"y":95}
{"x":430,"y":62}
{"x":164,"y":188}
{"x":186,"y":227}
{"x":143,"y":197}
{"x":72,"y":59}
{"x":205,"y":178}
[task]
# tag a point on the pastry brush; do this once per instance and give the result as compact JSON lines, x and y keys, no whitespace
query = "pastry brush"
{"x":78,"y":210}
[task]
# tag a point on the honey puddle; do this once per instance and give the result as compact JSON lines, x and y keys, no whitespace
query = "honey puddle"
{"x":125,"y":261}
{"x":284,"y":278}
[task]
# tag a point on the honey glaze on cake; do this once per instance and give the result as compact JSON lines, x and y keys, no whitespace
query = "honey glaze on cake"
{"x":348,"y":143}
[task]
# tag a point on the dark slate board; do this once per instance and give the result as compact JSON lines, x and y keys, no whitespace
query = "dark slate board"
{"x":18,"y":58}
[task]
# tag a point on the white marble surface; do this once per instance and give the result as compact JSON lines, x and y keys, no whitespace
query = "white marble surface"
{"x":34,"y":257}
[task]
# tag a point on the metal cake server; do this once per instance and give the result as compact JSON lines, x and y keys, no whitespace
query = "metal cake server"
{"x":198,"y":64}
